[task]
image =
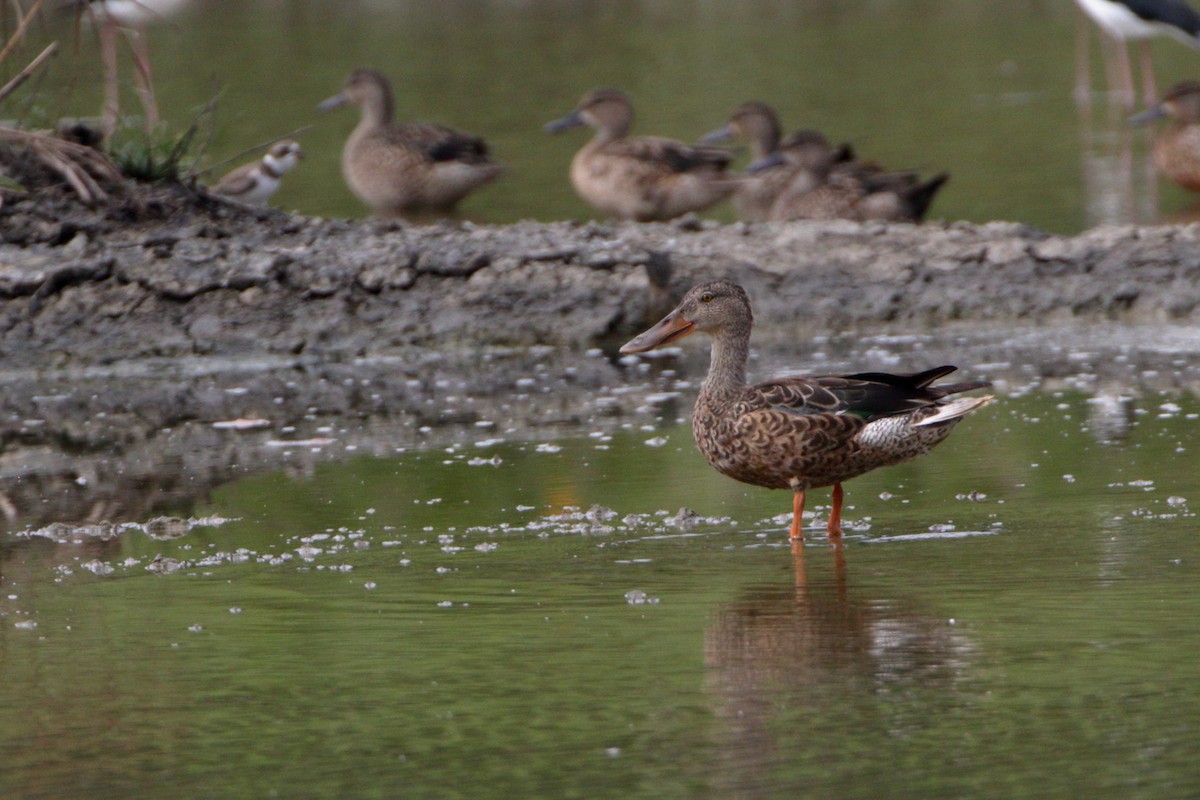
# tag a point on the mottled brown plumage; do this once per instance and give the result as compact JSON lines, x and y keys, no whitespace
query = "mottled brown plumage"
{"x":402,"y":168}
{"x":757,"y":124}
{"x":641,"y":178}
{"x":1177,"y":148}
{"x":827,"y":183}
{"x":801,"y":433}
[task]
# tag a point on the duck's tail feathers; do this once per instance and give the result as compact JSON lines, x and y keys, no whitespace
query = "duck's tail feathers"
{"x":948,"y":389}
{"x":955,"y":409}
{"x":920,"y":196}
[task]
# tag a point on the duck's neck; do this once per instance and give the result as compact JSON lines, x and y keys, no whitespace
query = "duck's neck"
{"x":610,"y":133}
{"x":727,"y":369}
{"x":377,"y":108}
{"x":764,"y":142}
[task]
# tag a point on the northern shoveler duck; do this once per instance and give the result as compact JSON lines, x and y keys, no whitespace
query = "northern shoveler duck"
{"x":256,"y":182}
{"x":643,"y":178}
{"x":1177,"y":149}
{"x":802,"y":433}
{"x":404,"y":168}
{"x":1136,"y":20}
{"x":828,"y":184}
{"x":757,"y":124}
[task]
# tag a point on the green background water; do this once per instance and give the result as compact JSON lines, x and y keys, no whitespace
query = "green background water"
{"x":1031,"y":639}
{"x":980,"y":88}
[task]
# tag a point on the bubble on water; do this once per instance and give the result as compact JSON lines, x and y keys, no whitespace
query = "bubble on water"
{"x":235,"y":610}
{"x":308,"y":552}
{"x":1069,"y":478}
{"x":25,"y":625}
{"x":195,"y":628}
{"x":404,"y":562}
{"x":612,"y":752}
{"x":162,"y":565}
{"x":885,"y":496}
{"x":600,"y":513}
{"x":657,"y":441}
{"x":547,"y":447}
{"x":445,"y":604}
{"x":164,"y":528}
{"x":98,"y":567}
{"x":636,"y":597}
{"x":1175,"y":501}
{"x":685,"y":519}
{"x":942,"y":527}
{"x":486,"y":547}
{"x":369,"y":585}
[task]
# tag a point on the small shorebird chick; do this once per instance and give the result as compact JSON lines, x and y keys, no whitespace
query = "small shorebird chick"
{"x":256,"y":182}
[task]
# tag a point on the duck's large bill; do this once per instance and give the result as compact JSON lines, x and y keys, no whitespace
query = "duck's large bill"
{"x":330,"y":103}
{"x":672,"y":328}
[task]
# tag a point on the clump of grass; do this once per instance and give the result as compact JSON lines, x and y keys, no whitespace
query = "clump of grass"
{"x":153,"y":157}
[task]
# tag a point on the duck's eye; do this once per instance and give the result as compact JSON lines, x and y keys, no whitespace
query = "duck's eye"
{"x":706,"y":297}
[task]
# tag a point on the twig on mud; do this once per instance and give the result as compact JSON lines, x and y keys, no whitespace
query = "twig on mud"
{"x":79,"y":165}
{"x":19,"y":34}
{"x":261,"y":146}
{"x":25,"y":74}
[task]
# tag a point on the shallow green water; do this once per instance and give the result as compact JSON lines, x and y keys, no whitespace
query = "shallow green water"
{"x":981,"y":88}
{"x":1013,"y":615}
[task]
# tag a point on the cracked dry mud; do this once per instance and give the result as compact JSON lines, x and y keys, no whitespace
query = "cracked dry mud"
{"x":178,"y":274}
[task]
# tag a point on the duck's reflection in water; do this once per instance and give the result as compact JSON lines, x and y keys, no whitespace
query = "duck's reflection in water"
{"x":787,"y":661}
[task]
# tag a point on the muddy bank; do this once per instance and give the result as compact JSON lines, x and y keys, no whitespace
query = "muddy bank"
{"x":137,"y":339}
{"x":171,"y":273}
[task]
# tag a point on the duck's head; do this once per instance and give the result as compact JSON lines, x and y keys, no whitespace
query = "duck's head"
{"x":366,"y":88}
{"x":805,"y":149}
{"x":283,"y":155}
{"x":1181,"y":103}
{"x":712,"y":308}
{"x":606,"y":110}
{"x":752,"y":122}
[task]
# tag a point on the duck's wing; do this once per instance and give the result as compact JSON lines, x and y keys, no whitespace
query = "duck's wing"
{"x":440,"y":143}
{"x":237,"y":182}
{"x":867,"y":395}
{"x":674,"y":156}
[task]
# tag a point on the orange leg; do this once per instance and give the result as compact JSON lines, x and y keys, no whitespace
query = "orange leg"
{"x":797,"y":516}
{"x":112,"y":102}
{"x":1083,"y":63}
{"x":1125,"y":70}
{"x":835,"y":516}
{"x":1149,"y":85}
{"x":143,"y":79}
